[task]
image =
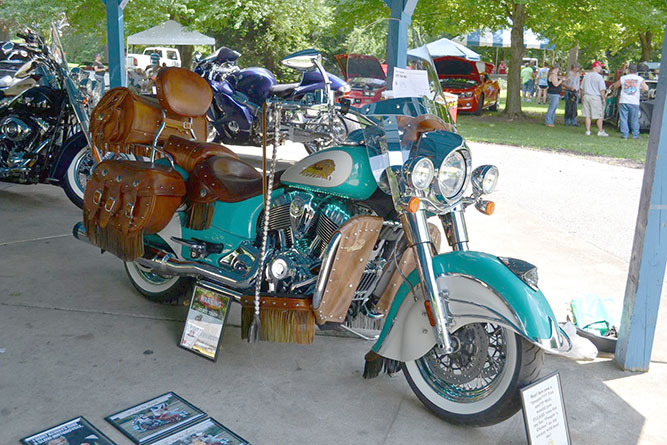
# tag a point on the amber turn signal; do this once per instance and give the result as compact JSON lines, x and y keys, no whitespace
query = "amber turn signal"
{"x":413,"y":204}
{"x":429,"y":312}
{"x":486,"y":207}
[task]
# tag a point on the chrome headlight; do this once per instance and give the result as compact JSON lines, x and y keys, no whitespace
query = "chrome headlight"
{"x":466,"y":94}
{"x":452,"y":174}
{"x":419,"y":172}
{"x":484,"y":179}
{"x":522,"y":269}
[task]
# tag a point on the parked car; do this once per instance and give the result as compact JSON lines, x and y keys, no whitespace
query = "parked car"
{"x":645,"y":106}
{"x":168,"y":57}
{"x":470,"y":81}
{"x":366,"y":76}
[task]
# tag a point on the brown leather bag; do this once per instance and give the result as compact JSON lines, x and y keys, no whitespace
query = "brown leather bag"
{"x":125,"y":200}
{"x":123,"y":118}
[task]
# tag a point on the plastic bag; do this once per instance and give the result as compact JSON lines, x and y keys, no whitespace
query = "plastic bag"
{"x":596,"y":315}
{"x":582,"y":348}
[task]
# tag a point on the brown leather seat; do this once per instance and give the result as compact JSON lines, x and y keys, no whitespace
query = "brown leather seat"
{"x":182,"y":92}
{"x":223,"y":178}
{"x":188,"y":154}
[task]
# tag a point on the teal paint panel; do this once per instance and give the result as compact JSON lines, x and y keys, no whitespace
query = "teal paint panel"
{"x":649,"y":250}
{"x":233,"y":223}
{"x":531,"y":306}
{"x":360,"y":184}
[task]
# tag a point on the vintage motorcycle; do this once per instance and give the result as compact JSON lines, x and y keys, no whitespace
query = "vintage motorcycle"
{"x":238,"y":96}
{"x":44,"y":129}
{"x":342,"y":235}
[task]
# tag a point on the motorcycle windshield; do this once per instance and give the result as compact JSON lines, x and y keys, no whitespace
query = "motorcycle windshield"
{"x":411,"y":92}
{"x":75,"y":95}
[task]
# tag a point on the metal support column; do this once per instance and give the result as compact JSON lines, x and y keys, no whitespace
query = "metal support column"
{"x":649,"y":250}
{"x":397,"y":41}
{"x":116,"y":41}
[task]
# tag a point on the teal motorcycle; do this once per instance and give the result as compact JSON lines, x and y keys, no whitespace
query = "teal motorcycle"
{"x":346,"y":234}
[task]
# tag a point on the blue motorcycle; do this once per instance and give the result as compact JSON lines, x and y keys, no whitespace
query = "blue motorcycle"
{"x":239,"y":94}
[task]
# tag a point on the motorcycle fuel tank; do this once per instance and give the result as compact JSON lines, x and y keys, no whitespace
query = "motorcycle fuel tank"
{"x":338,"y":171}
{"x":38,"y":101}
{"x":254,"y":83}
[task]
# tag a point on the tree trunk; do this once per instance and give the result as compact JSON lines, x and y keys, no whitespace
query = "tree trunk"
{"x":572,"y":56}
{"x":186,"y":55}
{"x":513,"y":105}
{"x":647,"y":49}
{"x":4,"y":31}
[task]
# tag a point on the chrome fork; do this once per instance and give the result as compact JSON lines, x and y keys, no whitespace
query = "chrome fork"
{"x":416,"y":229}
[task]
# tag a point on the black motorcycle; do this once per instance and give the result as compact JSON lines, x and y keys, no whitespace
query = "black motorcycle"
{"x":44,"y":129}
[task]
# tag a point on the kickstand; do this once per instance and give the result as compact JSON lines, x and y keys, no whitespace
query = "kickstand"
{"x":342,"y":327}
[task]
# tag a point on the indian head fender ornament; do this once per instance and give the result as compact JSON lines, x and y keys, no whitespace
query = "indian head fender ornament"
{"x":321,"y":169}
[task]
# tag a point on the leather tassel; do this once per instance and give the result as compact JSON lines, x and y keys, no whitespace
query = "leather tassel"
{"x":255,"y":328}
{"x":200,"y":215}
{"x":376,"y":364}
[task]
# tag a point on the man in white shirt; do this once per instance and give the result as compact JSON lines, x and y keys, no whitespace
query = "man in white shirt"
{"x":628,"y":101}
{"x":594,"y":93}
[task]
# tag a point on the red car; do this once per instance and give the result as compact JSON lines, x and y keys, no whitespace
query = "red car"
{"x":365,"y":74}
{"x":470,"y":81}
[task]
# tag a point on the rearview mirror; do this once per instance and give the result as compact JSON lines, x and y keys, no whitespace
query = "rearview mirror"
{"x":7,"y":47}
{"x":305,"y":60}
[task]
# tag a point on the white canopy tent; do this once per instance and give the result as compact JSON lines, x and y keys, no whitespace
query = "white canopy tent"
{"x":503,"y":39}
{"x":446,"y":47}
{"x":170,"y":33}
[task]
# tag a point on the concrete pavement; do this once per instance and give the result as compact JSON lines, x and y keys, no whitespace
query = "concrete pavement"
{"x":78,"y":340}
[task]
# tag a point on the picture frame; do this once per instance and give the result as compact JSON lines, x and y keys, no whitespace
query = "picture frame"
{"x":76,"y":431}
{"x":155,"y":418}
{"x":544,"y":415}
{"x":205,"y":322}
{"x":206,"y":431}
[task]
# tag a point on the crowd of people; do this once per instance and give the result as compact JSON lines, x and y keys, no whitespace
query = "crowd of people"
{"x":547,"y":84}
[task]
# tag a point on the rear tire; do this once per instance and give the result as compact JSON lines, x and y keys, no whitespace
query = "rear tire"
{"x":480,"y":106}
{"x":479,"y":384}
{"x":76,"y":176}
{"x":157,"y":288}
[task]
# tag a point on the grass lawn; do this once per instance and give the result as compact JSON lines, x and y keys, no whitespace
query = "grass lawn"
{"x":532,"y":133}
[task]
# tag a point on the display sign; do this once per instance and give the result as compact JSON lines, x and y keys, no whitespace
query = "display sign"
{"x":410,"y":83}
{"x":205,"y":322}
{"x":155,"y":418}
{"x":544,"y":412}
{"x":205,"y":432}
{"x":73,"y":432}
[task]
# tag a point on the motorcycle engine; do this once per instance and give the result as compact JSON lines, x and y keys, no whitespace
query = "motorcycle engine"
{"x":301,"y":226}
{"x":16,"y":141}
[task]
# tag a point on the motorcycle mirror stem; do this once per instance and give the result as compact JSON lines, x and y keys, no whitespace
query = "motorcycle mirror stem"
{"x":327,"y":82}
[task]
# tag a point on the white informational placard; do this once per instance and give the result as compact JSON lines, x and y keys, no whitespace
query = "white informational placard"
{"x":544,"y":412}
{"x":410,"y":83}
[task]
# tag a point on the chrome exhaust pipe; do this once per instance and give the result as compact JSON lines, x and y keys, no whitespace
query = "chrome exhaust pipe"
{"x":164,"y":263}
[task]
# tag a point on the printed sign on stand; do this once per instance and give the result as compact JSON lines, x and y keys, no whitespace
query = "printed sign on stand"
{"x":544,"y":412}
{"x":205,"y":322}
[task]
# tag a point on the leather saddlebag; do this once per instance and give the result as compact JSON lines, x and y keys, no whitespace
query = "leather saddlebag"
{"x":123,"y":118}
{"x":126,"y":200}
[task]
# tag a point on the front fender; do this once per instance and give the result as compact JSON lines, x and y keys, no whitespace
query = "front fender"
{"x":480,"y":289}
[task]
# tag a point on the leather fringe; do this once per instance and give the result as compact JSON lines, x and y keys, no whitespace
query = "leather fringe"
{"x":280,"y":325}
{"x":200,"y":215}
{"x":376,"y":364}
{"x":127,"y":247}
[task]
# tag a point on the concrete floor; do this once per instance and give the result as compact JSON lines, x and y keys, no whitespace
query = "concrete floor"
{"x":76,"y":339}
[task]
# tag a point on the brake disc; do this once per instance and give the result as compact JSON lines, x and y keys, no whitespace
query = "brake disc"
{"x":467,"y":363}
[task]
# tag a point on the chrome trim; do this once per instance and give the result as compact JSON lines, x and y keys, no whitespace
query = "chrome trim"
{"x":478,"y":176}
{"x":455,"y":228}
{"x":556,"y":344}
{"x":325,"y":269}
{"x":420,"y":237}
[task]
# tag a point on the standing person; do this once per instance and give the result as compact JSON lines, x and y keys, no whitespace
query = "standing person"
{"x":526,"y":80}
{"x":628,"y":101}
{"x":571,"y":86}
{"x":554,"y":88}
{"x":594,"y":93}
{"x":502,"y":68}
{"x":99,"y":68}
{"x":542,"y":83}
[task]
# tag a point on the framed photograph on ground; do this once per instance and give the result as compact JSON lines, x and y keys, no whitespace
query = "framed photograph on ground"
{"x":208,"y":432}
{"x":544,"y":412}
{"x":206,"y":319}
{"x":155,"y":418}
{"x":73,"y":432}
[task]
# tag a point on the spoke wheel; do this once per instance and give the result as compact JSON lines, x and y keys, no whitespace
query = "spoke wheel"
{"x":156,"y":287}
{"x":77,"y":174}
{"x":477,"y":384}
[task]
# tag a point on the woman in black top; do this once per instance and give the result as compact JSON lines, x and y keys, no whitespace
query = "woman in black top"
{"x":553,"y":95}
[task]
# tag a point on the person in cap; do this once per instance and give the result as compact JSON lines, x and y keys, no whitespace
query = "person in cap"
{"x":631,"y":86}
{"x":594,"y":93}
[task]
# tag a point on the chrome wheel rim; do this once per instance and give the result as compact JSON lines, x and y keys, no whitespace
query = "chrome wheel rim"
{"x":150,"y":276}
{"x":474,"y":370}
{"x":82,"y":169}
